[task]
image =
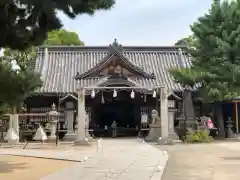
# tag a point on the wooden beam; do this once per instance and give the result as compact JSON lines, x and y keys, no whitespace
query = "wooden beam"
{"x":123,"y":88}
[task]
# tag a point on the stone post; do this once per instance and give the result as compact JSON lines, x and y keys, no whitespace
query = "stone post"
{"x":80,"y":135}
{"x":15,"y":123}
{"x":54,"y":115}
{"x":70,"y":119}
{"x":164,"y":112}
{"x":155,"y":127}
{"x":164,"y":117}
{"x":172,"y":134}
{"x":53,"y":130}
{"x":87,"y":126}
{"x":230,"y":133}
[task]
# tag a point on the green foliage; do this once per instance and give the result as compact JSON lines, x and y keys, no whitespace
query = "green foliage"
{"x":216,"y":53}
{"x":198,"y":137}
{"x":17,"y":76}
{"x":187,"y":41}
{"x":63,"y":37}
{"x":17,"y":83}
{"x":217,"y":49}
{"x":22,"y":59}
{"x":4,"y":108}
{"x":25,"y":23}
{"x":188,"y":76}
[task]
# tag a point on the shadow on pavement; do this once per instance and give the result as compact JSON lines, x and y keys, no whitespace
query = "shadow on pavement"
{"x":6,"y":167}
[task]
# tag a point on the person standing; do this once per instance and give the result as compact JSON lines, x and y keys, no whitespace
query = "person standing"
{"x":105,"y":130}
{"x":114,"y":129}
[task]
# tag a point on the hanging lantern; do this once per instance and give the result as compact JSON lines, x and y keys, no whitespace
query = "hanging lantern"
{"x":154,"y":94}
{"x":102,"y":99}
{"x":114,"y":93}
{"x":132,"y":94}
{"x":93,"y":93}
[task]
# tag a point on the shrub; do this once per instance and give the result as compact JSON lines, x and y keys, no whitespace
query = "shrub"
{"x":200,"y":136}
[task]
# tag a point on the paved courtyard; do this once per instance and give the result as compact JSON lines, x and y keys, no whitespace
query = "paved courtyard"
{"x":123,"y":159}
{"x":217,"y":161}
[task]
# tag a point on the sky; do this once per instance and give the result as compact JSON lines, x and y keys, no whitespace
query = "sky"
{"x":139,"y":22}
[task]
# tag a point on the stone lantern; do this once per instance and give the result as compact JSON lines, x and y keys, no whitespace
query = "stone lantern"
{"x":53,"y":114}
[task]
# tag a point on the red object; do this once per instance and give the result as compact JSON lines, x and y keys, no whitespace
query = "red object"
{"x":210,"y":124}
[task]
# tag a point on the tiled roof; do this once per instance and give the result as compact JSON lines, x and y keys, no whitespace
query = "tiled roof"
{"x":114,"y":50}
{"x":59,"y":65}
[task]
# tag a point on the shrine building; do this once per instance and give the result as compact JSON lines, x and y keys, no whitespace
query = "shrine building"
{"x":120,"y":83}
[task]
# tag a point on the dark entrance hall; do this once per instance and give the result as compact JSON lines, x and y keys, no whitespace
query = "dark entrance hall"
{"x":124,"y":111}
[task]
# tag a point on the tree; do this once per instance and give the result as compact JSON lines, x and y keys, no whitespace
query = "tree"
{"x":187,"y":41}
{"x":190,"y":79}
{"x":63,"y":37}
{"x":17,"y":83}
{"x":25,"y":23}
{"x":18,"y":75}
{"x":187,"y":77}
{"x":20,"y":59}
{"x":22,"y":84}
{"x":216,"y":49}
{"x":216,"y":54}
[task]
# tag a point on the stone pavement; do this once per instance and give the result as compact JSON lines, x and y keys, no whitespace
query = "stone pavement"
{"x":123,"y":159}
{"x":216,"y":161}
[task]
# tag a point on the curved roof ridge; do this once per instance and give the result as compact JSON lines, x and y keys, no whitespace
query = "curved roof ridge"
{"x":105,"y":48}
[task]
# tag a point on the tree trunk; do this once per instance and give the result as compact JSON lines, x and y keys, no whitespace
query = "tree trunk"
{"x":218,"y":114}
{"x":14,"y":110}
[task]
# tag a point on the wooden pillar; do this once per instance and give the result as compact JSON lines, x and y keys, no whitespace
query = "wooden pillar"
{"x":236,"y":115}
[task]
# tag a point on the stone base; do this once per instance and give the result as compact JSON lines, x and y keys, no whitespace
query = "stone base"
{"x":151,"y":138}
{"x":13,"y":142}
{"x":51,"y":138}
{"x":70,"y":137}
{"x":154,"y":133}
{"x":11,"y":137}
{"x":90,"y":139}
{"x":165,"y":141}
{"x":230,"y":133}
{"x":81,"y":142}
{"x":173,"y":136}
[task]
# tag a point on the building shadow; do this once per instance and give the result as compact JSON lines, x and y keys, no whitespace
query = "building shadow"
{"x":236,"y":158}
{"x":7,"y":166}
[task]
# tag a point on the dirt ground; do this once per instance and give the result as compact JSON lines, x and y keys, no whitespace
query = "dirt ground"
{"x":25,"y":168}
{"x":52,"y":146}
{"x":28,"y":168}
{"x":203,"y":161}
